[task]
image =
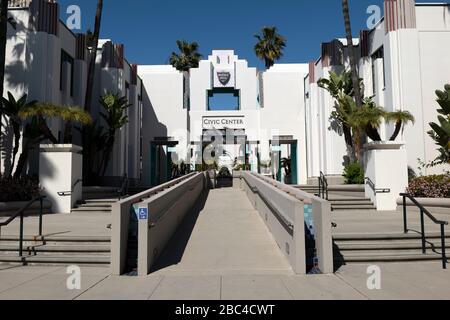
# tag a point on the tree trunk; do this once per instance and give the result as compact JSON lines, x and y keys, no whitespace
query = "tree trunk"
{"x":398,"y":128}
{"x":351,"y":54}
{"x":92,"y":58}
{"x":68,"y":132}
{"x":372,"y":133}
{"x":349,"y":143}
{"x":16,"y":130}
{"x":3,"y":38}
{"x":354,"y":70}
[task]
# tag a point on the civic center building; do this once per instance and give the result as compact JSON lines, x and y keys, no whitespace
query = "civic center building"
{"x":261,"y":116}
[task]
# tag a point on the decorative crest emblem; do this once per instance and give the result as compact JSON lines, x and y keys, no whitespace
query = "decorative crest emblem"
{"x":224,"y":77}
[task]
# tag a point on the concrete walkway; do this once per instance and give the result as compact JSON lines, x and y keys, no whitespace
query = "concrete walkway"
{"x":223,"y":235}
{"x":223,"y":251}
{"x":398,"y":281}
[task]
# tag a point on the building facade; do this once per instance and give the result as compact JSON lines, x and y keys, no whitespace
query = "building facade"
{"x":229,"y":111}
{"x":49,"y":63}
{"x":402,"y":61}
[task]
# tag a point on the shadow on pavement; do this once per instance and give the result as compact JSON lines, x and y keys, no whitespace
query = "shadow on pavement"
{"x":174,"y":251}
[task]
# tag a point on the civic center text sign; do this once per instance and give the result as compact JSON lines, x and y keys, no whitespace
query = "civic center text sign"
{"x":210,"y":123}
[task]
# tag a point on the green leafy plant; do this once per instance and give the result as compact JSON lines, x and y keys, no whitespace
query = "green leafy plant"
{"x":354,"y":174}
{"x":440,"y":133}
{"x":12,"y":109}
{"x":188,"y":56}
{"x":270,"y":46}
{"x":115,"y":118}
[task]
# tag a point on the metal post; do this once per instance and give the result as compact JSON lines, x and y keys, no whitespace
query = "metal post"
{"x":41,"y":212}
{"x":422,"y":222}
{"x":405,"y":216}
{"x":21,"y":236}
{"x":444,"y":256}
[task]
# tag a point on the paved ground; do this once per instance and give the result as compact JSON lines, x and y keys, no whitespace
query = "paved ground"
{"x":398,"y":281}
{"x":238,"y":262}
{"x":75,"y":224}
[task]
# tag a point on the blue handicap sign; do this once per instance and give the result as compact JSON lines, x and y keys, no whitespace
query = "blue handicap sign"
{"x":143,"y":213}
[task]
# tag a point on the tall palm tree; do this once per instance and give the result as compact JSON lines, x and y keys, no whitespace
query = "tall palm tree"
{"x":188,"y":56}
{"x":351,"y":54}
{"x":93,"y":54}
{"x":270,"y":46}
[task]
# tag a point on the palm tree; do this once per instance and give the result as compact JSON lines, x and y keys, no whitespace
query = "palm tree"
{"x":12,"y":108}
{"x":188,"y":56}
{"x":351,"y":53}
{"x":400,"y":118}
{"x":37,"y":129}
{"x":92,"y":58}
{"x":340,"y":87}
{"x":270,"y":46}
{"x":115,"y":118}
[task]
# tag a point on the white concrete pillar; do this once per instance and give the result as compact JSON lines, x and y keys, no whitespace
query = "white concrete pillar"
{"x":386,"y":166}
{"x":60,"y":175}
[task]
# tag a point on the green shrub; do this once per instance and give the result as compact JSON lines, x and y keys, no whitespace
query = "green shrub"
{"x":354,"y":174}
{"x":18,"y":189}
{"x":437,"y":186}
{"x":224,"y":173}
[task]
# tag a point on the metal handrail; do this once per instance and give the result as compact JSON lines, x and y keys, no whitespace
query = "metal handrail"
{"x":423,"y":212}
{"x":323,"y":186}
{"x":68,"y":193}
{"x":124,"y":188}
{"x":371,"y":184}
{"x":20,"y":213}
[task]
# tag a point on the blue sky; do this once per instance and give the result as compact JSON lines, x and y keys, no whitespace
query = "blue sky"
{"x":149,"y":28}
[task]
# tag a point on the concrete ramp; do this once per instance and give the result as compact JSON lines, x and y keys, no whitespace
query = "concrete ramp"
{"x":223,"y":235}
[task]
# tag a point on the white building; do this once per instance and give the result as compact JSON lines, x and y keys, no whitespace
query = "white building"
{"x":259,"y":109}
{"x":267,"y":116}
{"x":402,"y":61}
{"x":48,"y":62}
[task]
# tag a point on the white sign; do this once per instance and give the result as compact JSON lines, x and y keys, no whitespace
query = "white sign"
{"x":220,"y":123}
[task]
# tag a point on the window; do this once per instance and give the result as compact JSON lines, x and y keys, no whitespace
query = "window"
{"x":225,"y":99}
{"x":66,"y":59}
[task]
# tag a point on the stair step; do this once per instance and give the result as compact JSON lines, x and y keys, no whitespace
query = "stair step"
{"x":91,"y":209}
{"x":58,"y":248}
{"x":353,"y":207}
{"x":57,"y":239}
{"x":386,"y":236}
{"x":55,"y":260}
{"x":390,"y":258}
{"x":394,"y":245}
{"x":338,"y":203}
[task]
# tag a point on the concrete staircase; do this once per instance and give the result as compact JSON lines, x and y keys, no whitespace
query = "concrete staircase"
{"x":61,"y":250}
{"x":376,"y":248}
{"x":344,"y":198}
{"x":99,"y":199}
{"x":351,"y":204}
{"x":94,"y":206}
